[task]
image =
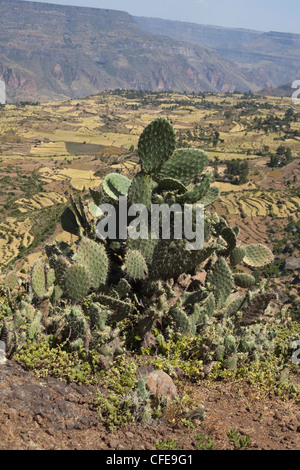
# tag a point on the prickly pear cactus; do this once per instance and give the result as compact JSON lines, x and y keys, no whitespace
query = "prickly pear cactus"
{"x":116,"y":284}
{"x":168,"y":177}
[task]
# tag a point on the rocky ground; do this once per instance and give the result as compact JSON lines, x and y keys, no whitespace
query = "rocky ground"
{"x":48,"y":414}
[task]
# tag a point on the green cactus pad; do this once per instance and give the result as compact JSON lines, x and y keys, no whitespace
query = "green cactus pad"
{"x":77,"y":283}
{"x":50,"y":277}
{"x":197,"y":193}
{"x":38,"y":279}
{"x":76,"y":328}
{"x":123,"y":288}
{"x":156,"y":144}
{"x":243,"y":280}
{"x":61,"y":265}
{"x":144,"y":246}
{"x":169,"y":184}
{"x":181,"y":320}
{"x":257,"y":255}
{"x":98,"y":316}
{"x":192,"y":298}
{"x":34,"y":328}
{"x":230,"y":363}
{"x":230,"y":238}
{"x":236,"y":230}
{"x":11,"y":280}
{"x":230,"y":344}
{"x":135,"y":266}
{"x":210,"y":197}
{"x":140,"y":190}
{"x":235,"y":306}
{"x":221,"y":281}
{"x":116,"y":185}
{"x":220,"y":225}
{"x":93,"y":256}
{"x":94,"y":210}
{"x":184,"y":165}
{"x":237,"y":255}
{"x":168,"y":259}
{"x":207,"y":307}
{"x":220,"y":352}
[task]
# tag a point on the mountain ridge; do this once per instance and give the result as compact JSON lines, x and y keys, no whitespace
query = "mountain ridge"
{"x":268,"y":59}
{"x":54,"y":52}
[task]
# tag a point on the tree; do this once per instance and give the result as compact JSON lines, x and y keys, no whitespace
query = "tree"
{"x":237,"y":171}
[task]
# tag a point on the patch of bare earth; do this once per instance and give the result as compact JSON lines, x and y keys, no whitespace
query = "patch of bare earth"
{"x":49,"y":414}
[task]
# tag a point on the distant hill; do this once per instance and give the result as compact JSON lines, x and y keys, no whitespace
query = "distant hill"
{"x":54,"y":52}
{"x":268,"y":59}
{"x":284,"y":90}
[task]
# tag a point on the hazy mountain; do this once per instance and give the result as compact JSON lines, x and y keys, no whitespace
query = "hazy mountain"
{"x":268,"y":59}
{"x":50,"y":52}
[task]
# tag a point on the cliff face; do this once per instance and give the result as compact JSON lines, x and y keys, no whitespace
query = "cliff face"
{"x":267,"y":59}
{"x":51,"y":52}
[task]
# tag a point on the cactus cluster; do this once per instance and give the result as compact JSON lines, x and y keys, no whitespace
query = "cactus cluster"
{"x":25,"y":324}
{"x":134,"y":281}
{"x":231,"y":344}
{"x":77,"y":273}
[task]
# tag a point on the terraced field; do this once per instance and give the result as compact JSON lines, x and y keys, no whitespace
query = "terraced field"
{"x":13,"y":235}
{"x":39,"y":201}
{"x":258,"y":204}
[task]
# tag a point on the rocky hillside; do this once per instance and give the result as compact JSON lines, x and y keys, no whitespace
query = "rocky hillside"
{"x":51,"y":52}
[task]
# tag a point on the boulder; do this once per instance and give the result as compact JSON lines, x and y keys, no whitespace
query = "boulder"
{"x":160,"y":385}
{"x":292,"y":263}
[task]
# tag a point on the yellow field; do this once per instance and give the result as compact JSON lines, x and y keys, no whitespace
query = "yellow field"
{"x":39,"y":201}
{"x":14,"y":234}
{"x":51,"y":148}
{"x":79,"y":179}
{"x":255,"y":203}
{"x":228,"y":187}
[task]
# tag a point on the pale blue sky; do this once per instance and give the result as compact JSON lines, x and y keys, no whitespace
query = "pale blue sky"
{"x":263,"y":15}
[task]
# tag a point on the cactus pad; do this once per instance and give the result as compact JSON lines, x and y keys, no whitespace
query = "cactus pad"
{"x":243,"y":280}
{"x":140,"y":190}
{"x":38,"y":279}
{"x":257,"y":255}
{"x":237,"y":255}
{"x":69,"y":222}
{"x":11,"y":280}
{"x":77,"y":282}
{"x":210,"y":197}
{"x":198,"y":192}
{"x":135,"y":265}
{"x":184,"y":165}
{"x":221,"y":281}
{"x":116,"y":185}
{"x":156,"y":144}
{"x":93,"y":256}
